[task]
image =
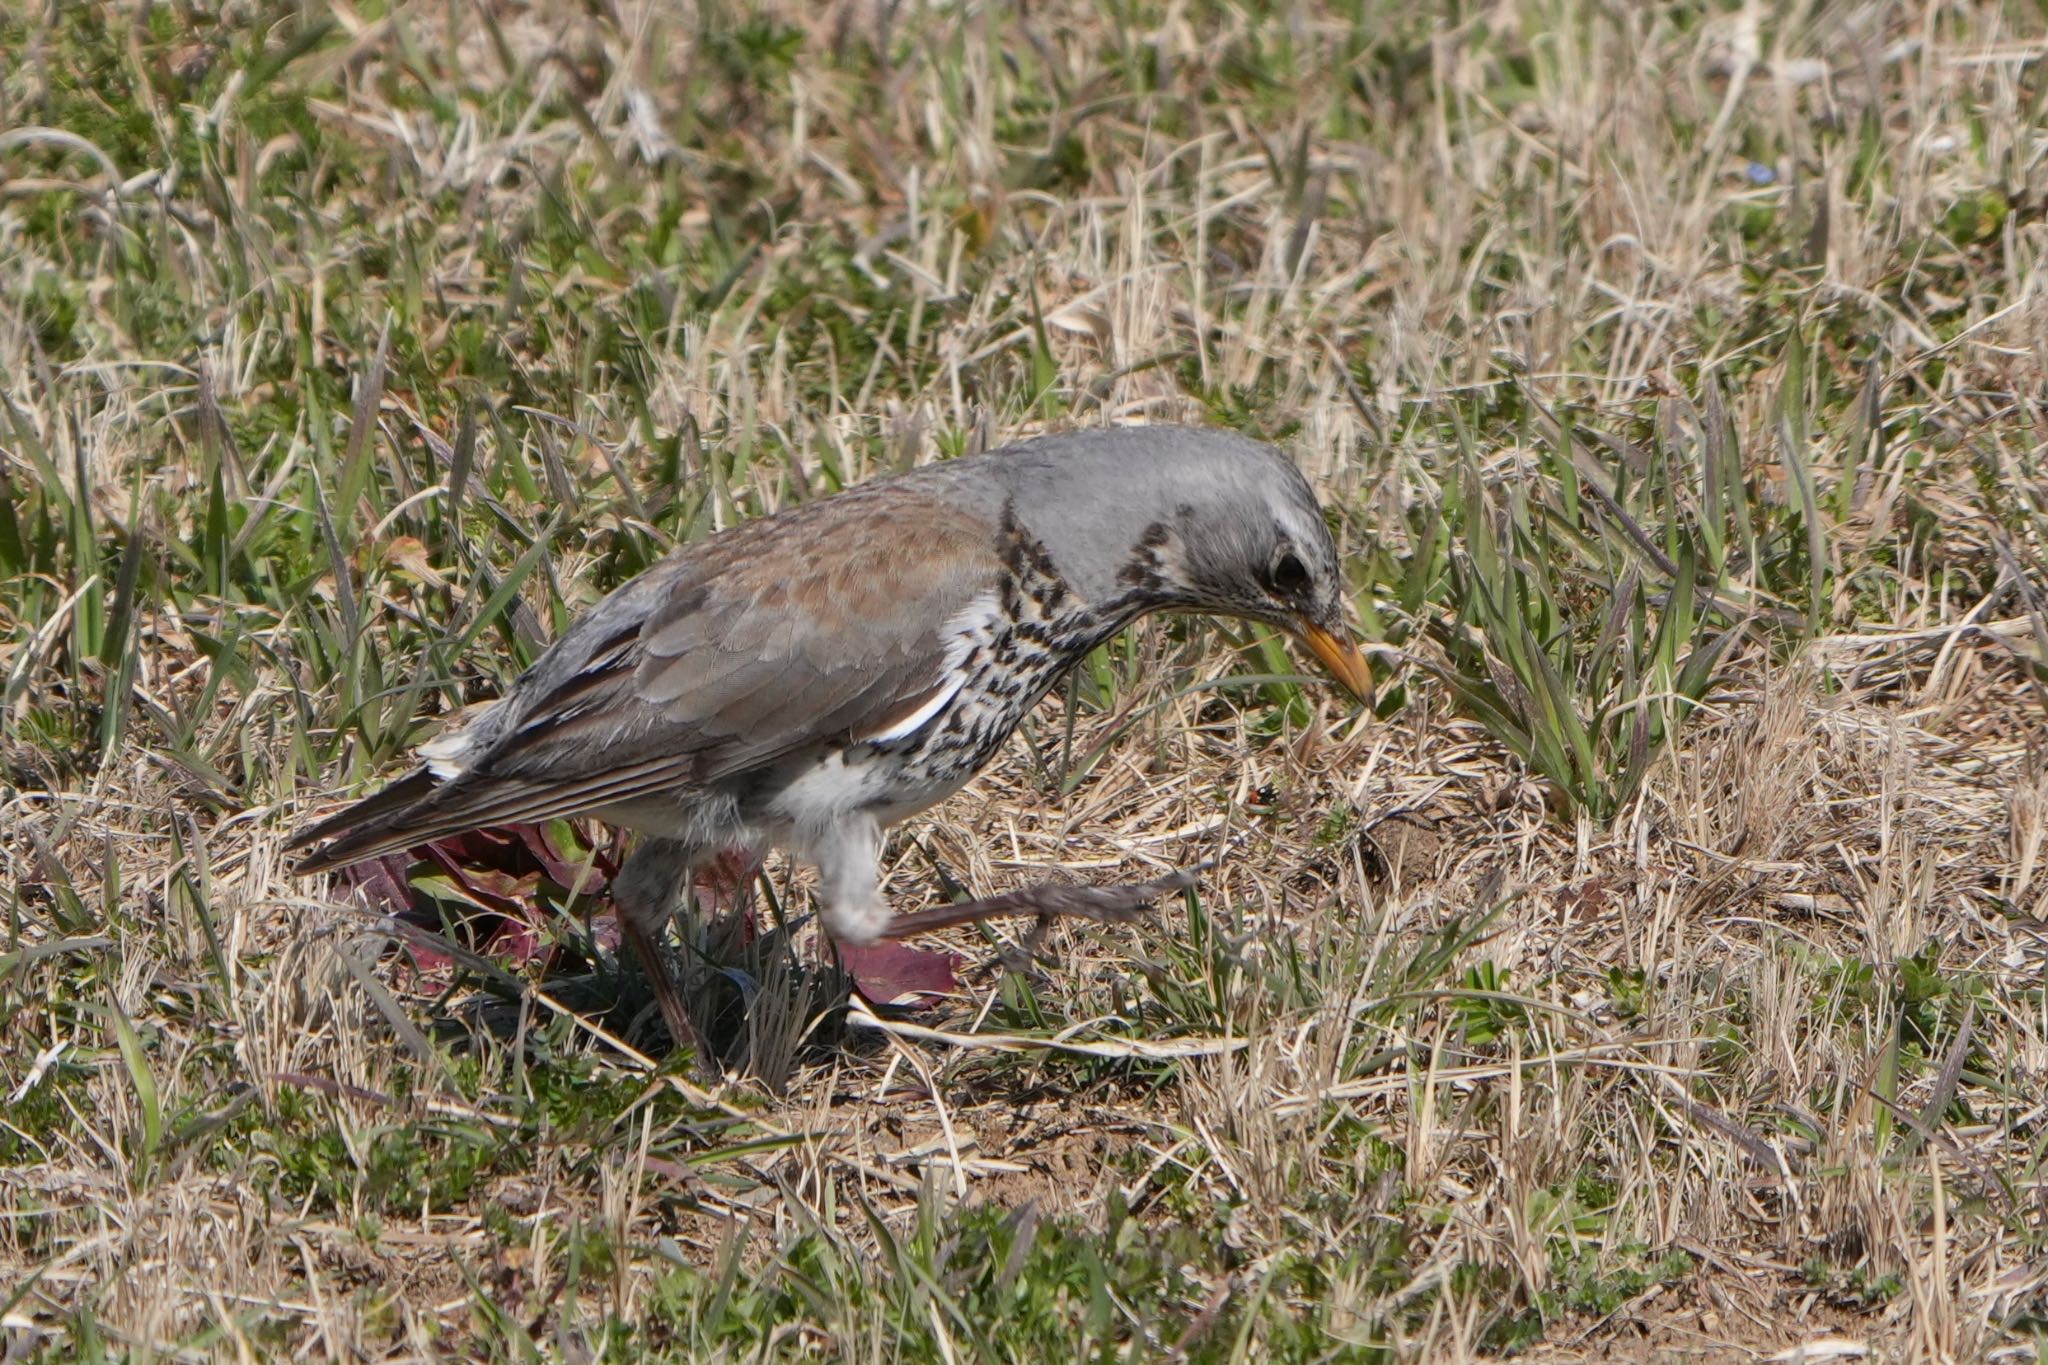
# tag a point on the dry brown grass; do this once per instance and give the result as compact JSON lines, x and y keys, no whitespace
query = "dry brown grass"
{"x":1442,"y":1064}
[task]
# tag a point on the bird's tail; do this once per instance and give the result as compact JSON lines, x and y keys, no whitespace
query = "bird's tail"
{"x":376,"y":824}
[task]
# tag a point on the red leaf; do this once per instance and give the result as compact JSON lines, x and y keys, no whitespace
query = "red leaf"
{"x":508,"y":893}
{"x":520,"y":944}
{"x":496,"y":847}
{"x":382,"y":882}
{"x":573,"y":869}
{"x":722,"y":883}
{"x":427,"y":970}
{"x":890,"y":972}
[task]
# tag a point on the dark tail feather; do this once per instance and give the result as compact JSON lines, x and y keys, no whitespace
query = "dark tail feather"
{"x":376,"y":824}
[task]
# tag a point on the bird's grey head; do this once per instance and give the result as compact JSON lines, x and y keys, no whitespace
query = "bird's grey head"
{"x":1187,"y":519}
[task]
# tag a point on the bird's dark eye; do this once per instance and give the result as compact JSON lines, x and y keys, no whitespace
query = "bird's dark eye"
{"x":1290,"y":575}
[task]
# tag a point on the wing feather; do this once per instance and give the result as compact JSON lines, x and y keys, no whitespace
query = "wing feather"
{"x":825,"y":623}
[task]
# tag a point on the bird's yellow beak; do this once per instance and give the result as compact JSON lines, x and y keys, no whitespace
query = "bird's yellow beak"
{"x":1340,"y":656}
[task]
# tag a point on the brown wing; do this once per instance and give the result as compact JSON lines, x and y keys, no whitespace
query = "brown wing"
{"x":738,"y":651}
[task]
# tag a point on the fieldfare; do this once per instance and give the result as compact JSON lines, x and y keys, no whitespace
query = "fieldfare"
{"x":807,"y":679}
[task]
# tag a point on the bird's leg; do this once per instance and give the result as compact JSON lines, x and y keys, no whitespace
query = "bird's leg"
{"x":644,"y":894}
{"x":1048,"y":901}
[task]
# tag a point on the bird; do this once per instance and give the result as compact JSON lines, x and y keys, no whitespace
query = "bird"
{"x":809,"y":678}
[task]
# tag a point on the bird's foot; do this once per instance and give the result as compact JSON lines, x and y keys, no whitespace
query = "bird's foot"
{"x":1049,"y":901}
{"x":860,"y":922}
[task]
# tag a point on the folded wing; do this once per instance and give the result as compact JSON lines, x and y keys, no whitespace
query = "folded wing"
{"x":783,"y":635}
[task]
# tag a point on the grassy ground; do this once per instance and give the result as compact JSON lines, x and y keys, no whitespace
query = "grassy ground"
{"x":1658,"y":974}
